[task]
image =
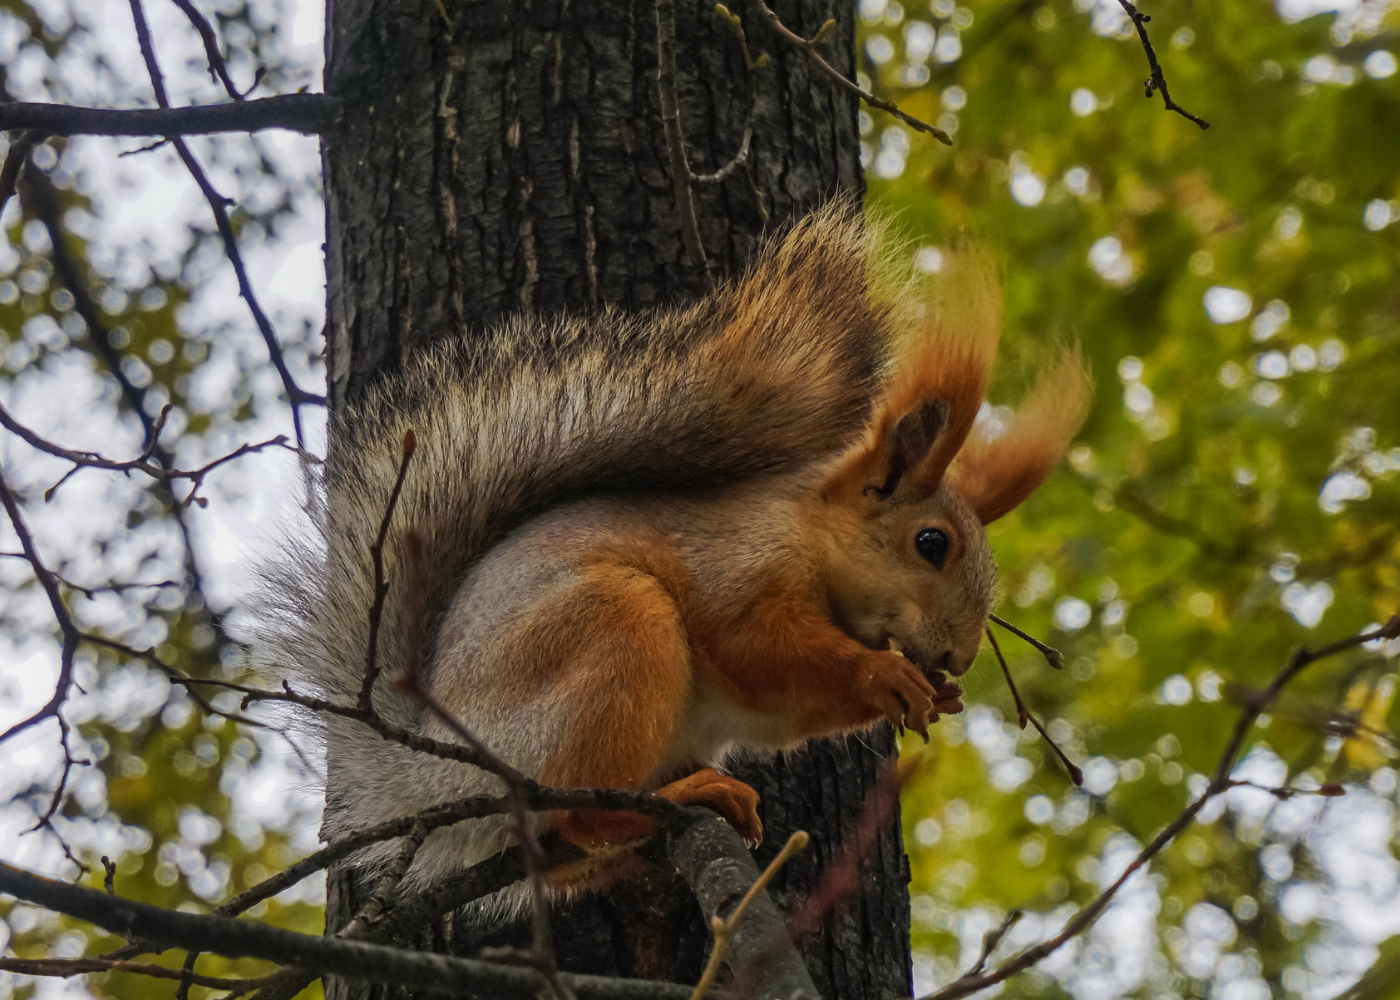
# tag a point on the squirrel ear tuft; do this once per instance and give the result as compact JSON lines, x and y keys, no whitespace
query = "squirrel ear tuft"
{"x":935,"y":383}
{"x":994,"y":474}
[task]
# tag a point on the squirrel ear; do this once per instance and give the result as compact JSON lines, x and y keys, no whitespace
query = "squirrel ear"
{"x":912,"y":440}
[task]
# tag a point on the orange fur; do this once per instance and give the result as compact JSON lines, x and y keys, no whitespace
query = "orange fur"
{"x":946,"y":357}
{"x":995,"y":474}
{"x":786,"y":658}
{"x":623,"y":667}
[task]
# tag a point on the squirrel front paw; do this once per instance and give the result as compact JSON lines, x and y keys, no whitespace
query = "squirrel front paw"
{"x":947,"y":694}
{"x":730,"y":797}
{"x":899,"y":691}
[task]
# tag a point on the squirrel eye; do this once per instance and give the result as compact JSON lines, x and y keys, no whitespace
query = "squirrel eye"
{"x":933,"y":546}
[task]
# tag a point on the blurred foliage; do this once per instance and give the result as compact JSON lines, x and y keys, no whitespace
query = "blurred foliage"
{"x":1234,"y":494}
{"x":161,"y":794}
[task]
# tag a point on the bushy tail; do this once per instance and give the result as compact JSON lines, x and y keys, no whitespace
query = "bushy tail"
{"x":765,"y":374}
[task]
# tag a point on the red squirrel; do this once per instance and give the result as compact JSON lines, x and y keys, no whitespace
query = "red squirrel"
{"x":651,"y":539}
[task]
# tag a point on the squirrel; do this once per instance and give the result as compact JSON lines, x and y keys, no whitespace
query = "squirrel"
{"x":651,"y":539}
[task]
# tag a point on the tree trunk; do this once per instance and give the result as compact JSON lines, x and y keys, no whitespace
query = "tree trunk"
{"x":514,"y":159}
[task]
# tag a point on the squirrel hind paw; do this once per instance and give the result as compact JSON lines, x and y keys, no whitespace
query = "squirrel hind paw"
{"x":735,"y":801}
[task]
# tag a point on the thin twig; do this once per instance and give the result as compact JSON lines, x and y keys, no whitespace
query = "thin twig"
{"x":809,"y":47}
{"x":740,"y":158}
{"x":15,"y":159}
{"x":517,"y":798}
{"x":71,"y":639}
{"x":410,"y":681}
{"x":110,"y":587}
{"x":365,"y":702}
{"x":842,"y":877}
{"x":218,"y":68}
{"x":992,"y":938}
{"x":189,"y":684}
{"x":63,"y":968}
{"x":383,"y":893}
{"x":723,"y":929}
{"x":1025,"y":715}
{"x":1022,"y":713}
{"x":72,"y":636}
{"x":1052,"y":655}
{"x":751,"y":66}
{"x":358,"y":928}
{"x":218,"y":204}
{"x":41,"y":197}
{"x":675,"y":137}
{"x":1156,"y":81}
{"x":142,"y":463}
{"x":1327,"y":790}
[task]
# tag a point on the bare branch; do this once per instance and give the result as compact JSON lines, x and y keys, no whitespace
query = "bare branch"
{"x":65,"y":967}
{"x":518,"y":803}
{"x":993,"y":938}
{"x":1024,"y":714}
{"x":723,"y":929}
{"x":842,"y":877}
{"x":751,"y":66}
{"x":808,"y":46}
{"x":1156,"y":81}
{"x":309,"y":114}
{"x":15,"y":159}
{"x":720,"y":871}
{"x":218,"y":68}
{"x":373,"y":962}
{"x":110,"y":587}
{"x":218,"y":204}
{"x":142,"y":463}
{"x":675,"y":137}
{"x":41,"y":198}
{"x":1052,"y":655}
{"x":381,"y":586}
{"x":1327,"y":790}
{"x":72,"y":636}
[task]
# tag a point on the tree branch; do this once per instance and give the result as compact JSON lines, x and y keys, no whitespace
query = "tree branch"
{"x":63,"y":968}
{"x":309,"y":114}
{"x":141,"y":463}
{"x":720,"y":871}
{"x":218,"y":204}
{"x":675,"y":137}
{"x":376,"y":963}
{"x":1156,"y":81}
{"x":218,"y":68}
{"x":808,"y":46}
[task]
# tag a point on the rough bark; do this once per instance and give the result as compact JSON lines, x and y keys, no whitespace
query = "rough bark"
{"x":515,"y":160}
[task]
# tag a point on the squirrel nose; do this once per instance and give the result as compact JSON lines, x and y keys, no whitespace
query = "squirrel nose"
{"x":943,"y":662}
{"x":957,"y":665}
